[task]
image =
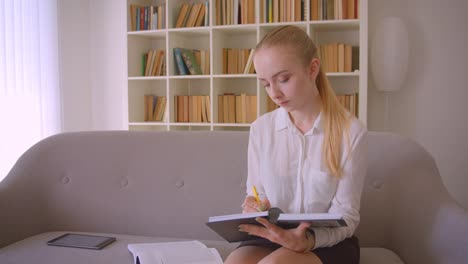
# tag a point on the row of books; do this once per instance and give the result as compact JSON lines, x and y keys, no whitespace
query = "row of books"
{"x":272,"y":11}
{"x":147,"y":17}
{"x":234,"y":12}
{"x":335,"y":57}
{"x":350,"y":102}
{"x":231,"y":12}
{"x":153,"y":63}
{"x":334,"y":9}
{"x":154,"y":107}
{"x":192,"y":108}
{"x":237,"y":108}
{"x":339,"y":57}
{"x":193,"y":15}
{"x":192,"y":61}
{"x":238,"y":61}
{"x":231,"y":108}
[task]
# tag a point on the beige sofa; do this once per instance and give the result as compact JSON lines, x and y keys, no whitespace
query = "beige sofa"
{"x":162,"y":186}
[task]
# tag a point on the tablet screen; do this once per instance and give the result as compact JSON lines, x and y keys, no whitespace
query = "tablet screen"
{"x":81,"y":241}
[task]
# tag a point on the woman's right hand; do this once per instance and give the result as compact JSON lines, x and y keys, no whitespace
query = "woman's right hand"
{"x":251,"y":205}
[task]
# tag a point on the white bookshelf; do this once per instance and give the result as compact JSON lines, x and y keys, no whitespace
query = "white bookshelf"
{"x":214,"y":38}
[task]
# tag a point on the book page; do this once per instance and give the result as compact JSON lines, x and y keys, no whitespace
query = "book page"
{"x":189,"y":252}
{"x":309,"y":217}
{"x":193,"y":256}
{"x":145,"y":254}
{"x":237,"y":216}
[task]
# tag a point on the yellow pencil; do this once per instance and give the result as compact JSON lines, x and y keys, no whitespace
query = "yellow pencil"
{"x":255,"y":193}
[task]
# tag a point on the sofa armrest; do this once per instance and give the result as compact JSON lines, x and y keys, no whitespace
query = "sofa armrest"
{"x":21,"y":205}
{"x":426,"y":224}
{"x":429,"y":227}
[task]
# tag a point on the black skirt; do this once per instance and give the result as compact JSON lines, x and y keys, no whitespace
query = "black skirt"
{"x":345,"y":252}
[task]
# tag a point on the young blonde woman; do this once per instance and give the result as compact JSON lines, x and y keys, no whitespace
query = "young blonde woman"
{"x":307,"y":156}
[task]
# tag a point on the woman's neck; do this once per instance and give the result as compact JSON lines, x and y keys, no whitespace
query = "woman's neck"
{"x":305,"y":119}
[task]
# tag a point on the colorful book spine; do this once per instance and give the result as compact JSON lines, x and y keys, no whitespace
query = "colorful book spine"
{"x":181,"y":67}
{"x":191,"y":62}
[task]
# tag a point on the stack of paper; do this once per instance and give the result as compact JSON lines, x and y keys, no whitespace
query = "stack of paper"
{"x":186,"y":252}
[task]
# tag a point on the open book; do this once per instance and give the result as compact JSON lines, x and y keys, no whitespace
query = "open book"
{"x":227,"y":226}
{"x":186,"y":252}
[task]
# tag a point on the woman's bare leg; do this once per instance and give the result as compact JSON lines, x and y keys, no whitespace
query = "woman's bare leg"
{"x":286,"y":256}
{"x":248,"y":255}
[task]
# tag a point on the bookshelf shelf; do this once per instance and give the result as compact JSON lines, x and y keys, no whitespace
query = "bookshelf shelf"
{"x":148,"y":33}
{"x":188,"y":77}
{"x":191,"y":31}
{"x":343,"y":74}
{"x":237,"y":28}
{"x":143,"y":124}
{"x":214,"y":83}
{"x":189,"y":124}
{"x":146,"y":78}
{"x":230,"y":125}
{"x":234,"y":76}
{"x":336,"y":24}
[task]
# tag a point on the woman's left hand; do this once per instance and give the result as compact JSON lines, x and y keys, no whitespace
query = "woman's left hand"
{"x":294,"y":239}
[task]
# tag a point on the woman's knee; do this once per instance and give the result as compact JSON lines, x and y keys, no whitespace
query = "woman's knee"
{"x":237,"y":258}
{"x":286,"y":256}
{"x":247,"y":255}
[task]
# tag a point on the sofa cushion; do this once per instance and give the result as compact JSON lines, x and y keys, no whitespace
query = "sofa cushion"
{"x":35,"y":250}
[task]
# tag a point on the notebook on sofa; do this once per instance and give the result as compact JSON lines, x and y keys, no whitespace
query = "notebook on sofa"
{"x":227,"y":226}
{"x":194,"y":252}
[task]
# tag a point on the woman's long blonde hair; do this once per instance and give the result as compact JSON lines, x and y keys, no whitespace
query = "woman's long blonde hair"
{"x":335,"y":117}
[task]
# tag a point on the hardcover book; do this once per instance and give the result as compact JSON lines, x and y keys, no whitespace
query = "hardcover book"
{"x":227,"y":226}
{"x":181,"y":67}
{"x":190,"y":61}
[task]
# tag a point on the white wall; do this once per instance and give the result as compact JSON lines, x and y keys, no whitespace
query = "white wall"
{"x":93,"y":54}
{"x":74,"y":45}
{"x":108,"y":68}
{"x":430,"y":106}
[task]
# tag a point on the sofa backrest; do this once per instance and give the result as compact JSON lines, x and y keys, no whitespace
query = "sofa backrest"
{"x":169,"y":183}
{"x":141,"y":183}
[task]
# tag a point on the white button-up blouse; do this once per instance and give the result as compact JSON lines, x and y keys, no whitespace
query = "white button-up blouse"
{"x":287,"y":167}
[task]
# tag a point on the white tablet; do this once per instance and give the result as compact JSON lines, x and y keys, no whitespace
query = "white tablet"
{"x":81,"y":241}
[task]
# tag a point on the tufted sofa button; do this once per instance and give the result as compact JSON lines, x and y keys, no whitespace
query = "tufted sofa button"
{"x":179,"y":183}
{"x":65,"y":180}
{"x":377,"y":184}
{"x":124,"y":182}
{"x":243,"y":185}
